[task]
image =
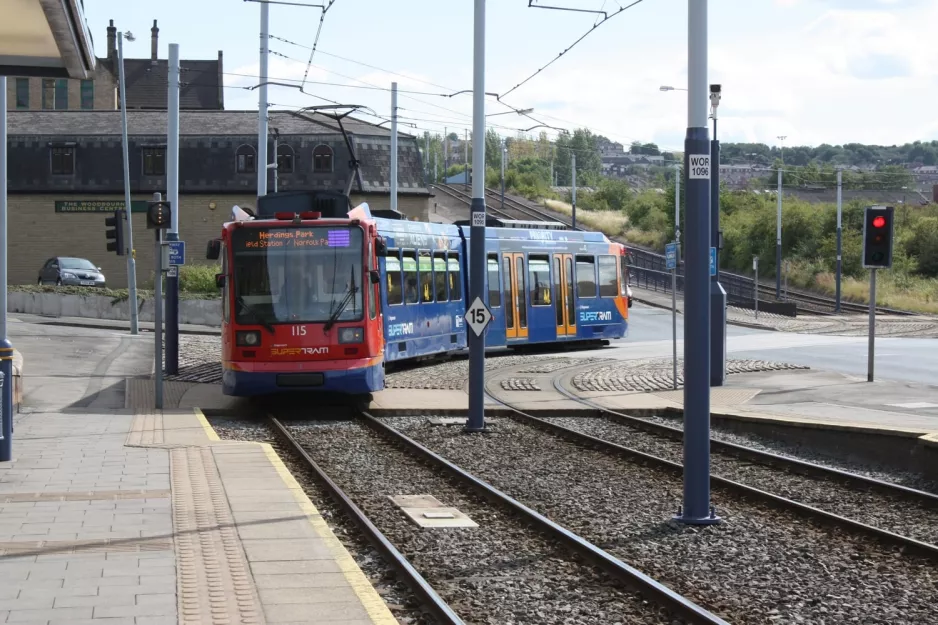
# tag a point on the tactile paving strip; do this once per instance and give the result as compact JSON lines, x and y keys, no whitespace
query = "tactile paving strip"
{"x":213,"y":582}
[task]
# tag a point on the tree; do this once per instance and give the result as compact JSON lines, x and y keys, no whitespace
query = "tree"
{"x":589,"y":165}
{"x":493,"y":149}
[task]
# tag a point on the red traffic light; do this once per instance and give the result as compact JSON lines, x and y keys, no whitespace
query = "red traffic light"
{"x":879,"y":221}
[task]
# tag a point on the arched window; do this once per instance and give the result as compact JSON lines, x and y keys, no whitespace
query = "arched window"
{"x":285,"y":158}
{"x":246,"y":160}
{"x":322,"y":159}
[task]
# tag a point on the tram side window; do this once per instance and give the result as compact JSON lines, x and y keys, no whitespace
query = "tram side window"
{"x":495,"y":295}
{"x":585,"y":276}
{"x":509,"y":302}
{"x":522,"y":293}
{"x":608,"y":279}
{"x":424,"y":264}
{"x":558,"y":289}
{"x":455,"y":277}
{"x":392,"y":266}
{"x":539,"y":280}
{"x":439,"y":276}
{"x":409,"y":265}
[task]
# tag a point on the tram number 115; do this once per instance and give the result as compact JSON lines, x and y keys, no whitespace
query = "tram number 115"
{"x":298,"y":330}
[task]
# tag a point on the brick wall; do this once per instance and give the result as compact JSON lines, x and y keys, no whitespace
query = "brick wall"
{"x":104,"y":95}
{"x":37,"y":232}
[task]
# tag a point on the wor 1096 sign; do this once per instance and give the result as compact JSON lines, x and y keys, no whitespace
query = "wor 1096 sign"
{"x":98,"y":206}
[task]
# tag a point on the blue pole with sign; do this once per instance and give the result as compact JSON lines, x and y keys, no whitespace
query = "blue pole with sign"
{"x":717,"y":293}
{"x":172,"y":183}
{"x":696,"y":509}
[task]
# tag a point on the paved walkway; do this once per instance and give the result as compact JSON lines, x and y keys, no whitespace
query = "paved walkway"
{"x":114,"y":513}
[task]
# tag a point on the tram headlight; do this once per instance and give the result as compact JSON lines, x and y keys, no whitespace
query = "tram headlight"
{"x":248,"y":339}
{"x":351,"y":335}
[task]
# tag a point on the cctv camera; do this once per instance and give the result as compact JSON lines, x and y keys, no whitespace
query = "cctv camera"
{"x":714,"y":88}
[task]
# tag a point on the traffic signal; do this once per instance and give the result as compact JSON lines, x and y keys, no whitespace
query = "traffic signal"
{"x":159,"y":215}
{"x":877,"y":236}
{"x":115,"y":232}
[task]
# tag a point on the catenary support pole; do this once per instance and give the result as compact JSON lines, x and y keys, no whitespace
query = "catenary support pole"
{"x":476,"y":421}
{"x":573,"y":190}
{"x":445,"y":151}
{"x":871,"y":347}
{"x":677,"y":257}
{"x":6,"y":346}
{"x":393,"y":146}
{"x":504,"y":150}
{"x":840,"y":234}
{"x":696,"y":509}
{"x":778,"y":240}
{"x":172,"y":192}
{"x":128,"y":213}
{"x":158,"y":315}
{"x":262,"y":102}
{"x":717,"y":293}
{"x":435,"y":171}
{"x":466,"y":145}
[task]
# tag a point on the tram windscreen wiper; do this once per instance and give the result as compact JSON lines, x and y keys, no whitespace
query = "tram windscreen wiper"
{"x":349,"y":296}
{"x":257,"y":316}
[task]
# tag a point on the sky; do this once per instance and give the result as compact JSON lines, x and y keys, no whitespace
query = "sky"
{"x":813,"y":71}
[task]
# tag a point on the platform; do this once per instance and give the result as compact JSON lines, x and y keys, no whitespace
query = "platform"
{"x":112,"y":512}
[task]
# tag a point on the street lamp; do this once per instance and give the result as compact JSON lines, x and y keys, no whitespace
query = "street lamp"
{"x":504,"y":154}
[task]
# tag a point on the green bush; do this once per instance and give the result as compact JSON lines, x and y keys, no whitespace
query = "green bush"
{"x":198,"y":279}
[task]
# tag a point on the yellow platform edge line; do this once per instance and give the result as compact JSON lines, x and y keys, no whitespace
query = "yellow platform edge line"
{"x":209,"y":430}
{"x":377,"y":609}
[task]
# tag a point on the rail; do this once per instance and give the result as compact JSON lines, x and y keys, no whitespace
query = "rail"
{"x":778,"y":501}
{"x":659,"y":593}
{"x":411,"y":577}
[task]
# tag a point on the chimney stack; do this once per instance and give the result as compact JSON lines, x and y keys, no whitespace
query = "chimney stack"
{"x":112,"y":42}
{"x":154,"y":41}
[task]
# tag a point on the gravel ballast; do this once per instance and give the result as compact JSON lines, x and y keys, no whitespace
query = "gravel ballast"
{"x":500,"y":572}
{"x":398,"y":597}
{"x":905,"y":516}
{"x":759,"y":566}
{"x":810,"y":454}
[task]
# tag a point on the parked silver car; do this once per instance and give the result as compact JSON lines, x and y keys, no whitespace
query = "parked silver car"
{"x":70,"y":271}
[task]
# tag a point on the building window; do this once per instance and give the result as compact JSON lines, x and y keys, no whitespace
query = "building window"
{"x":61,"y":94}
{"x":284,"y":159}
{"x":63,"y":161}
{"x":245,"y":160}
{"x":322,"y":159}
{"x":22,"y":93}
{"x":154,"y":161}
{"x":87,"y":94}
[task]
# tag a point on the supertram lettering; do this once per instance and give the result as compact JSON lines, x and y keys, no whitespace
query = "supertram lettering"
{"x":298,"y":351}
{"x":596,"y":316}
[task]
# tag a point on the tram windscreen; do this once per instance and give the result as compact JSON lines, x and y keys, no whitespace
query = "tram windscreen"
{"x":297,"y":275}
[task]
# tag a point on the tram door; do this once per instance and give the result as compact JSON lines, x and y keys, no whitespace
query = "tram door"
{"x":516,"y":295}
{"x":563,"y":294}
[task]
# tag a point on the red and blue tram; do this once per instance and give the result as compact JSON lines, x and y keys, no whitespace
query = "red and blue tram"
{"x":322,"y":299}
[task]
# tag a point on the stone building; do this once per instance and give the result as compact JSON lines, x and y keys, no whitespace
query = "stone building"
{"x":66,"y":175}
{"x":201,"y":88}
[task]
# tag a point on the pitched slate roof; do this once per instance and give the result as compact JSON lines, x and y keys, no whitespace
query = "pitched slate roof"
{"x":147,"y":83}
{"x":192,"y":123}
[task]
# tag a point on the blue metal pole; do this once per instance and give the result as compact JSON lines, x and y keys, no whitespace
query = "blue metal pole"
{"x":6,"y":347}
{"x":172,"y":190}
{"x":717,"y":293}
{"x":476,"y":421}
{"x":697,"y":166}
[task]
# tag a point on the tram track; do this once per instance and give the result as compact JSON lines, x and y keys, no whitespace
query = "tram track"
{"x":870,"y":502}
{"x":485,"y":562}
{"x":766,"y":558}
